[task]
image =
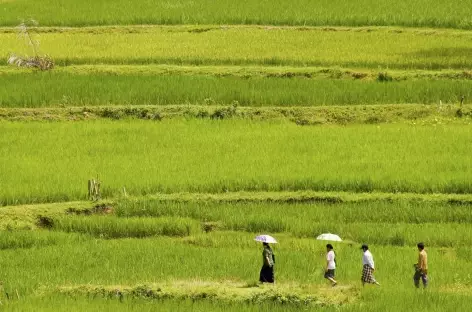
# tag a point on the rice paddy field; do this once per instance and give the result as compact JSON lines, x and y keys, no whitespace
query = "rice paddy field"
{"x":421,"y":13}
{"x":208,"y":123}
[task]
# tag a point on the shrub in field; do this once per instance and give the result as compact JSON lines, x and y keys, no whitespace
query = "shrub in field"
{"x":384,"y":77}
{"x":226,"y":112}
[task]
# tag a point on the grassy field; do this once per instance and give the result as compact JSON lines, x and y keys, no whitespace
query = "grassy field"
{"x":421,"y":13}
{"x":66,"y":90}
{"x":213,"y":45}
{"x":152,"y":269}
{"x":208,"y":123}
{"x":217,"y":269}
{"x":212,"y":156}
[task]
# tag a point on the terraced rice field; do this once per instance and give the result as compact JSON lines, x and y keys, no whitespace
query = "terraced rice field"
{"x":421,"y":13}
{"x":210,"y":123}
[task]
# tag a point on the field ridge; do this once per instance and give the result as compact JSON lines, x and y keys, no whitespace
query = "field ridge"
{"x":227,"y":291}
{"x":303,"y":116}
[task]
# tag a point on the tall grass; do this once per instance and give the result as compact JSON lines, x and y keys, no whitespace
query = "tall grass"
{"x":380,"y":223}
{"x":59,"y":89}
{"x":298,"y":215}
{"x":30,"y":239}
{"x":133,"y":262}
{"x":110,"y":227}
{"x":47,"y":162}
{"x":398,"y":299}
{"x":421,"y":13}
{"x":364,"y":48}
{"x":233,"y":257}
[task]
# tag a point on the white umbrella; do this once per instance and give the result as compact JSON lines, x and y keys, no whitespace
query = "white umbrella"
{"x":329,"y":237}
{"x":265,"y":239}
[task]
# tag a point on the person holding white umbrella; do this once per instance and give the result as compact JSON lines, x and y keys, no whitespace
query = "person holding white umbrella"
{"x":268,"y":260}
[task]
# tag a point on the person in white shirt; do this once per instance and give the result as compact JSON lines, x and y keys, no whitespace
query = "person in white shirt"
{"x":368,"y":267}
{"x":330,"y":265}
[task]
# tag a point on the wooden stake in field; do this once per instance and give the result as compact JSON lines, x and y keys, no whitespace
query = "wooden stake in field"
{"x":94,"y":189}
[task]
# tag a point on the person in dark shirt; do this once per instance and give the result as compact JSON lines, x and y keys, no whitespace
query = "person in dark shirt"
{"x":267,"y":271}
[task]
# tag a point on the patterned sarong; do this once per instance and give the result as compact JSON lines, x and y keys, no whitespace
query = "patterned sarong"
{"x":368,"y":275}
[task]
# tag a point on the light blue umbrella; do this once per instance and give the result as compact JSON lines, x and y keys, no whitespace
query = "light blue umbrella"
{"x":265,"y":239}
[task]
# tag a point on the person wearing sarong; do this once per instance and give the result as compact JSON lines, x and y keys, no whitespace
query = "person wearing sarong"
{"x":421,"y":268}
{"x":267,"y":271}
{"x":368,"y":267}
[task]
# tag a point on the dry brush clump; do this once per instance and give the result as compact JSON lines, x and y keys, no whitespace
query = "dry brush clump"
{"x":41,"y":62}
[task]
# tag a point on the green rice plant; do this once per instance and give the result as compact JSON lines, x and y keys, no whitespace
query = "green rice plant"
{"x":421,"y":13}
{"x":65,"y":90}
{"x":358,"y":48}
{"x":284,"y":216}
{"x":212,"y":156}
{"x":228,"y":257}
{"x":224,"y":257}
{"x":111,"y":227}
{"x":398,"y":299}
{"x":30,"y":239}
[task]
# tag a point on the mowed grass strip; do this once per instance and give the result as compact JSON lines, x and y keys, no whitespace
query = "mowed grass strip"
{"x":430,"y":13}
{"x":358,"y":47}
{"x":48,"y":162}
{"x":69,"y":90}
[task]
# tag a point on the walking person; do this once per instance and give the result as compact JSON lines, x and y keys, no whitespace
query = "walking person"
{"x":368,"y":267}
{"x":267,"y":271}
{"x":421,"y":268}
{"x":330,"y":265}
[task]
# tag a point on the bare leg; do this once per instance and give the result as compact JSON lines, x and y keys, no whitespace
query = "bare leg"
{"x":332,"y":280}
